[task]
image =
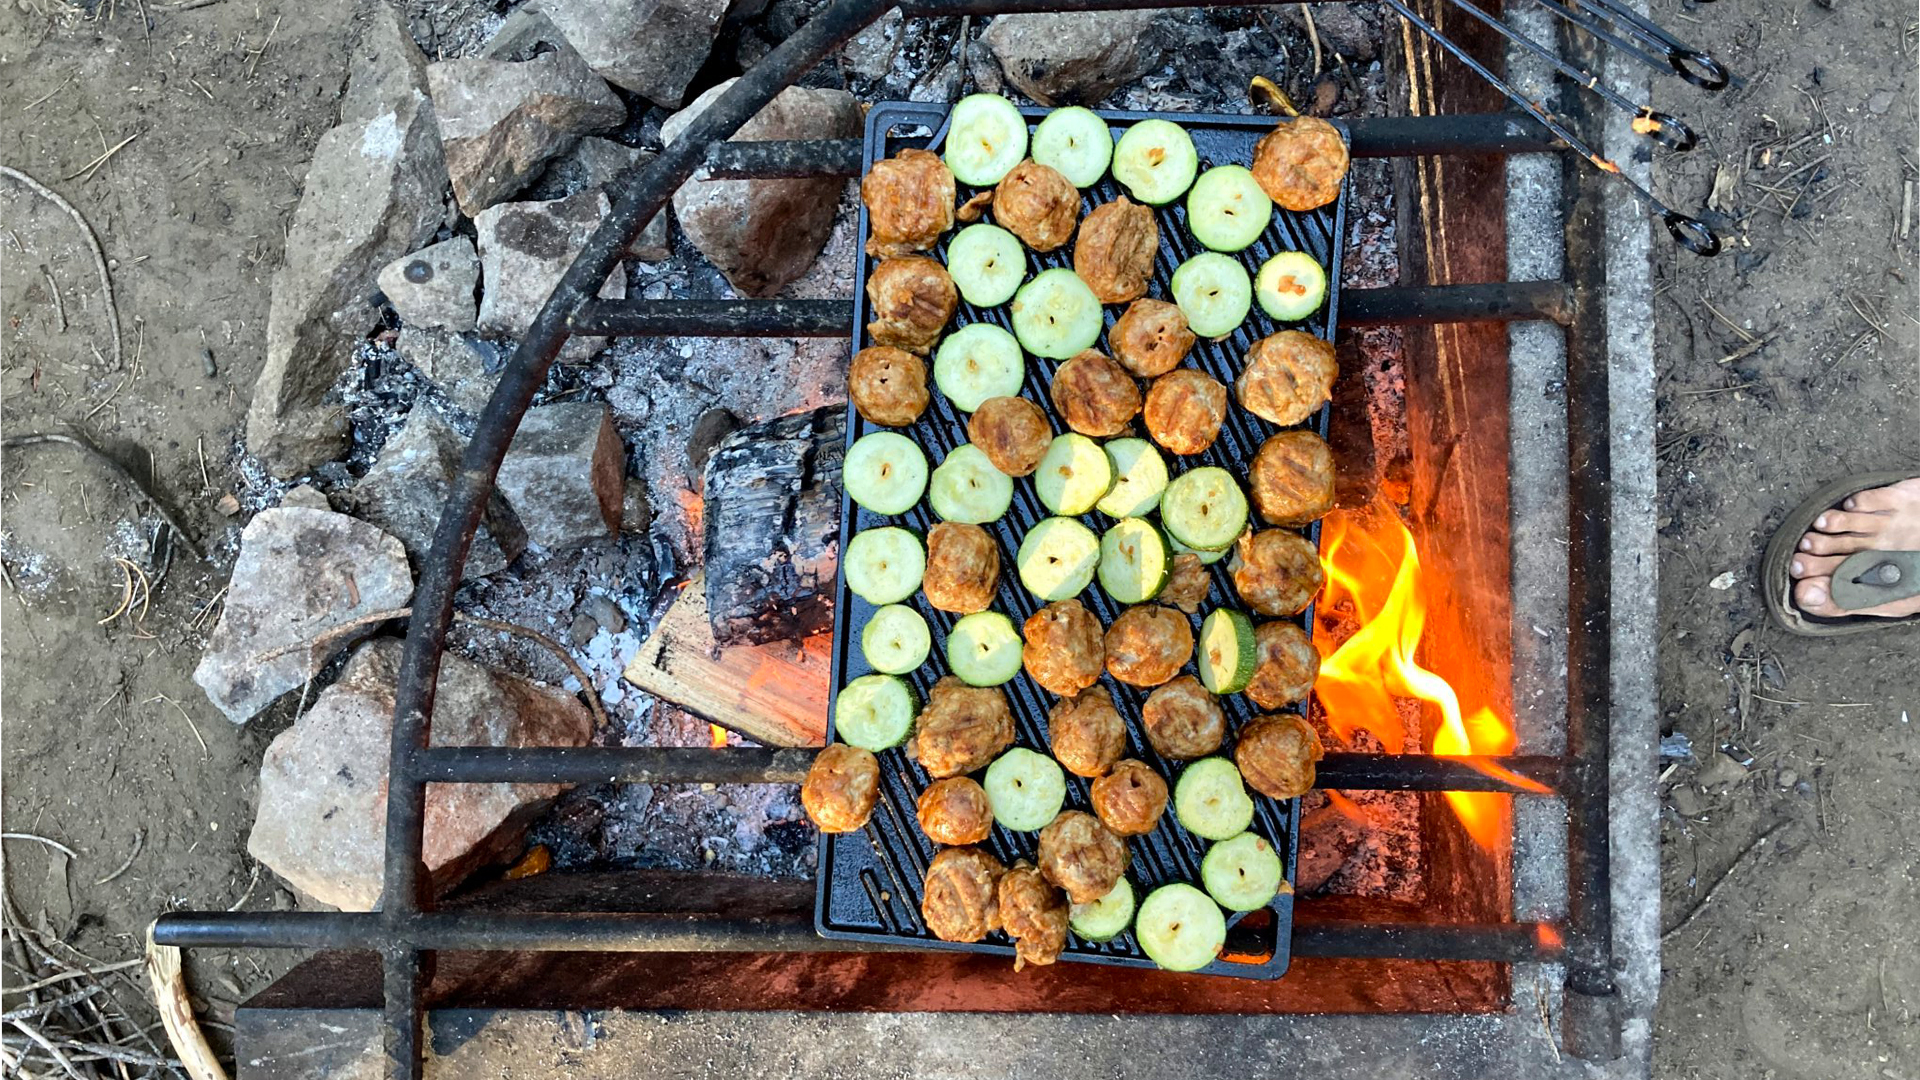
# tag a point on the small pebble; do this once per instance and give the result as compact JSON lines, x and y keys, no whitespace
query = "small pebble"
{"x":207,"y":365}
{"x":1786,"y":778}
{"x":228,"y":505}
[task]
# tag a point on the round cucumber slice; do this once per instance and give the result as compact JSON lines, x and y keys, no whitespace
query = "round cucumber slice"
{"x":1155,"y":161}
{"x":1213,"y":292}
{"x":967,"y":488}
{"x":1204,"y":508}
{"x":1226,"y":209}
{"x":1106,"y":918}
{"x":1290,"y":286}
{"x":987,"y":264}
{"x":1139,"y":478}
{"x":895,"y":640}
{"x":1180,"y":927}
{"x":1025,"y":790}
{"x":1207,"y":558}
{"x":977,"y":362}
{"x":884,"y":566}
{"x":1134,"y":561}
{"x":884,"y":472}
{"x":1074,"y":474}
{"x":1242,"y":874}
{"x":1076,"y":143}
{"x":1228,"y":651}
{"x":1211,"y":800}
{"x":874,"y":712}
{"x":986,"y":138}
{"x":1056,"y":316}
{"x":1058,"y":558}
{"x":984,"y":649}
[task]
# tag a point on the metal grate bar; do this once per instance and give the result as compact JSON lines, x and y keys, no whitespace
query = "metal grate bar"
{"x":1412,"y":305}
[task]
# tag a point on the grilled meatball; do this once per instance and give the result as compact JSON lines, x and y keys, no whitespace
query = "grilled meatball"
{"x":1095,"y":395}
{"x":954,"y":811}
{"x":841,"y":787}
{"x":910,"y":299}
{"x":1147,"y":645}
{"x":1086,"y":732}
{"x":962,"y":729}
{"x":1012,"y":431}
{"x":1082,"y":856}
{"x":1286,"y":665}
{"x":963,"y":567}
{"x":1035,"y":915}
{"x":1183,"y":720}
{"x":888,"y":385}
{"x":962,"y":898}
{"x":909,"y":201}
{"x":1276,"y":755}
{"x":1184,"y":410}
{"x":1038,"y":205}
{"x":1277,"y":572}
{"x":1130,"y":798}
{"x":1300,"y":163}
{"x":1288,"y":376}
{"x":1292,"y":478}
{"x":1114,"y":254}
{"x":1150,"y":338}
{"x":1063,"y":649}
{"x":1187,"y":583}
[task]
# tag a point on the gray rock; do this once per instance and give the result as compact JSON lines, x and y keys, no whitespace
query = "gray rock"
{"x":434,"y":287}
{"x":1075,"y":58}
{"x":323,"y":782}
{"x":565,"y":474}
{"x":525,"y":249}
{"x":465,"y":369}
{"x":764,"y":233}
{"x":405,"y":489}
{"x":300,"y":573}
{"x":636,"y":510}
{"x":869,"y":55}
{"x":651,"y":47}
{"x":374,"y":192}
{"x":1342,"y":30}
{"x":603,"y":165}
{"x":604,"y":612}
{"x":306,"y":495}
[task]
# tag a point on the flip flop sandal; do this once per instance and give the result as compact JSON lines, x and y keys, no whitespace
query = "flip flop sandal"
{"x":1865,"y":579}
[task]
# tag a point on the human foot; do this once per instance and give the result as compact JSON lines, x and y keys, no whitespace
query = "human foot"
{"x":1878,"y":519}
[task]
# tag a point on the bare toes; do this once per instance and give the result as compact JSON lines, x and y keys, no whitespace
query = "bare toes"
{"x":1806,"y":566}
{"x":1812,"y":596}
{"x":1883,"y":499}
{"x":1819,"y":543}
{"x":1841,"y":521}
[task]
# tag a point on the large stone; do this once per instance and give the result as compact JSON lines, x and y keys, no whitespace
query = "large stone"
{"x":604,"y":165}
{"x":525,"y":249}
{"x":651,"y":47}
{"x":764,"y":233}
{"x":301,"y":572}
{"x":434,"y":287}
{"x":1074,"y":58}
{"x":323,"y":782}
{"x":465,"y":369}
{"x":565,"y":474}
{"x":406,"y":488}
{"x":374,"y":192}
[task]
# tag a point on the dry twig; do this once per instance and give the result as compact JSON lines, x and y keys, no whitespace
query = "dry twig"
{"x":93,"y":243}
{"x":1714,"y":889}
{"x":55,"y":439}
{"x":176,"y":1012}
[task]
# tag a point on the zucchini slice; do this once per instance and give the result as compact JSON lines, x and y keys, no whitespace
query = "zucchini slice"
{"x":884,"y":566}
{"x":967,"y":488}
{"x":1207,"y":558}
{"x":1139,"y":478}
{"x":986,"y":138}
{"x":1211,"y":800}
{"x":984,"y":649}
{"x":1058,"y":558}
{"x":987,"y":264}
{"x":1242,"y":874}
{"x":1025,"y":790}
{"x":1074,"y":474}
{"x":1155,"y":161}
{"x":884,"y":472}
{"x":1135,"y":561}
{"x":1180,"y":927}
{"x":874,"y":712}
{"x":1106,"y":918}
{"x":1227,"y":210}
{"x":895,"y":640}
{"x":1056,"y":315}
{"x":1214,"y":293}
{"x":1228,"y":651}
{"x":1291,"y":286}
{"x":977,"y":362}
{"x":1204,"y":509}
{"x":1075,"y":141}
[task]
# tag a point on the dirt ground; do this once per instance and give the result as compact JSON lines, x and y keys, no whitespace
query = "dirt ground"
{"x":1804,"y":964}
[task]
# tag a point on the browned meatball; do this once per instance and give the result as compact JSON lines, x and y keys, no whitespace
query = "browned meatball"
{"x":1095,"y":395}
{"x":1035,"y":915}
{"x":888,"y":385}
{"x":1147,"y":645}
{"x":1184,"y":410}
{"x":1300,"y":163}
{"x":1187,"y":583}
{"x":1063,"y":650}
{"x":1286,"y":665}
{"x":962,"y":898}
{"x":910,"y":299}
{"x":954,"y":811}
{"x":1130,"y":798}
{"x":1277,"y":572}
{"x":1114,"y":254}
{"x":1183,"y":720}
{"x":1288,"y":376}
{"x":1038,"y":205}
{"x":1150,"y":338}
{"x":1086,"y":732}
{"x":1012,"y":431}
{"x":963,"y":567}
{"x":962,"y":729}
{"x":1292,"y":478}
{"x":1276,"y":755}
{"x":1082,"y":856}
{"x":909,"y":199}
{"x":841,"y":787}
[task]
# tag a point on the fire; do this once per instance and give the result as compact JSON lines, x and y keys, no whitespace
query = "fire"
{"x":717,"y":736}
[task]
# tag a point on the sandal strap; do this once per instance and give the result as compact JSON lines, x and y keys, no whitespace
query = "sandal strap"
{"x":1871,"y":578}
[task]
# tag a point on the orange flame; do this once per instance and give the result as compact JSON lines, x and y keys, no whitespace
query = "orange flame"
{"x":717,"y":736}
